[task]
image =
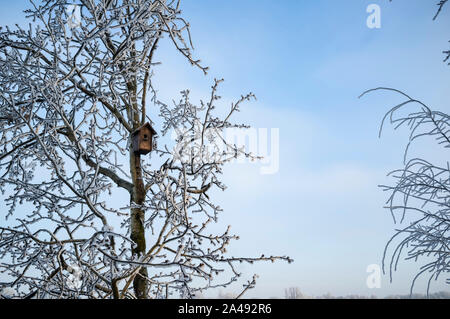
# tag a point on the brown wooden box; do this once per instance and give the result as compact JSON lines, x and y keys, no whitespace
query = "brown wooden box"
{"x":142,"y":139}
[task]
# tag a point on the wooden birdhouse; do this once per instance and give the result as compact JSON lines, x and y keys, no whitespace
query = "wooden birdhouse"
{"x":142,"y":139}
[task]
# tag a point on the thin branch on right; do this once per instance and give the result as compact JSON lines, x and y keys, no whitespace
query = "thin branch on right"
{"x":420,"y":195}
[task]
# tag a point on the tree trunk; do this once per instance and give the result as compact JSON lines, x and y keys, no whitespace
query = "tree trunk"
{"x":137,"y":223}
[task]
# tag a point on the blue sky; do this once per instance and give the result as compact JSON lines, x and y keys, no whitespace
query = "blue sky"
{"x":307,"y":62}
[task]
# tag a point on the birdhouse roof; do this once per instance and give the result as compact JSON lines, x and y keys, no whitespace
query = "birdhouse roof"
{"x":147,"y":125}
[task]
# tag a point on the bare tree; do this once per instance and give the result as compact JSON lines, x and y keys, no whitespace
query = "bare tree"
{"x":226,"y":295}
{"x":293,"y":293}
{"x":421,"y":193}
{"x":74,"y":89}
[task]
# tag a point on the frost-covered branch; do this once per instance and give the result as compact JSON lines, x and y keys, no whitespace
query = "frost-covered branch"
{"x":71,"y":96}
{"x":420,"y":195}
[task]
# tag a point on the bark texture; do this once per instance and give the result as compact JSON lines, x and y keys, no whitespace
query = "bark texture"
{"x":137,"y":223}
